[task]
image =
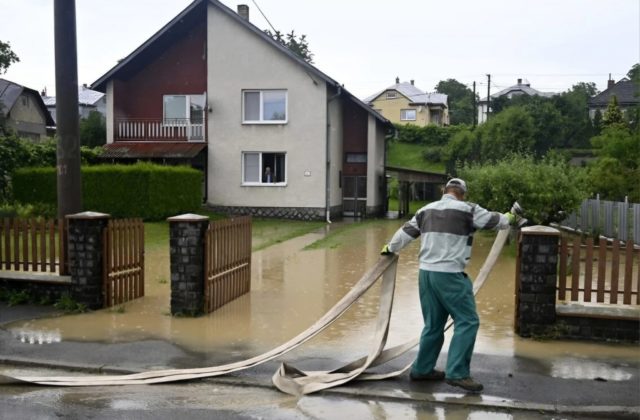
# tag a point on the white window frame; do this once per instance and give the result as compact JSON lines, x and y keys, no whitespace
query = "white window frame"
{"x":403,"y":114}
{"x":262,"y":120}
{"x":260,"y":183}
{"x":391,"y":94}
{"x":164,"y":111}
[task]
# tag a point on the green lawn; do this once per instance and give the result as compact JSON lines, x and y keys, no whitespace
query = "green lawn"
{"x":406,"y":155}
{"x":265,"y":232}
{"x":414,"y":206}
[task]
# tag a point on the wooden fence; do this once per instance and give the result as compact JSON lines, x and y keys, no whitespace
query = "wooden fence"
{"x":604,"y":272}
{"x":227,"y":261}
{"x":34,"y":245}
{"x":612,"y":219}
{"x":123,"y":259}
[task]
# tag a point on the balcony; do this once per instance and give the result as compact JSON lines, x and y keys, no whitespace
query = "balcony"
{"x":158,"y":129}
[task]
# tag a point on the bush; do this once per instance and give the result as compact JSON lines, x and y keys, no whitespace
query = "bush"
{"x":430,"y":135}
{"x":20,"y":153}
{"x":547,"y":190}
{"x":141,"y":190}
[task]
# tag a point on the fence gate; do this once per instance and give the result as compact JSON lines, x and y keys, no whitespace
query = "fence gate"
{"x":123,"y":259}
{"x":227,"y":261}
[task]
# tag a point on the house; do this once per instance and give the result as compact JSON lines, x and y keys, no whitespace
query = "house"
{"x":404,"y":103}
{"x":626,"y":91}
{"x":520,"y":88}
{"x":23,"y":111}
{"x":88,"y":100}
{"x":212,"y":90}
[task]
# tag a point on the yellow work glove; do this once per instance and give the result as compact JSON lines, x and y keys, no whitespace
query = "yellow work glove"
{"x":385,"y":250}
{"x":511,"y":217}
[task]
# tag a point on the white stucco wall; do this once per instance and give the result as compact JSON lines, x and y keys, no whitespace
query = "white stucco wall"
{"x":375,"y":162}
{"x":336,"y":149}
{"x":239,"y":59}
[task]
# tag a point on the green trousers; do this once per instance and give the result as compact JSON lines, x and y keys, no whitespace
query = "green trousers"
{"x":441,"y":295}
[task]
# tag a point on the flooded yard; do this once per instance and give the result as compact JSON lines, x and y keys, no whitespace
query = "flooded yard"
{"x":293,"y":286}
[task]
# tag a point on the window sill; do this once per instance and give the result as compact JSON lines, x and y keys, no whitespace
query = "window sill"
{"x":258,"y":184}
{"x":265,"y":122}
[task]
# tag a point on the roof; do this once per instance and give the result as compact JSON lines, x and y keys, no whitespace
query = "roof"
{"x":414,"y":175}
{"x":412,"y":93}
{"x":520,"y":87}
{"x":192,"y":11}
{"x":9,"y":94}
{"x":130,"y":150}
{"x":626,"y":91}
{"x":86,"y":97}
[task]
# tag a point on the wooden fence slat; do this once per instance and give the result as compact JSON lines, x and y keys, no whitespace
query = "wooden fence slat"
{"x":562,"y":275}
{"x":628,"y":272}
{"x":602,"y":267}
{"x":588,"y":270}
{"x":7,"y":243}
{"x":43,"y":245}
{"x":615,"y":271}
{"x":16,"y":244}
{"x":25,"y":244}
{"x":32,"y":232}
{"x":638,"y":279}
{"x":575,"y":269}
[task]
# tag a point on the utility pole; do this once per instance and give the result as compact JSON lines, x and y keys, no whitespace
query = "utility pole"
{"x":475,"y":106}
{"x":488,"y":95}
{"x":67,"y":118}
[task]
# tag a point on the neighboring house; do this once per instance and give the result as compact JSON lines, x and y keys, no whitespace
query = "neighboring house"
{"x":627,"y":94}
{"x":212,"y":90}
{"x":88,"y":100}
{"x":403,"y":103}
{"x":520,"y":88}
{"x":23,"y":111}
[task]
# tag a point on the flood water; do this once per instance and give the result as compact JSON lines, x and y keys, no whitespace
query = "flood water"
{"x":292,"y":287}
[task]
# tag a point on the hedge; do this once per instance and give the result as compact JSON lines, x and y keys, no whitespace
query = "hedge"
{"x":144,"y":190}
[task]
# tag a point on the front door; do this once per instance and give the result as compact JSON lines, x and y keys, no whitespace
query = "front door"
{"x":354,"y":196}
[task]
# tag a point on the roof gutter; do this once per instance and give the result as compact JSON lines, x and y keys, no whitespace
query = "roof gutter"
{"x":328,"y":151}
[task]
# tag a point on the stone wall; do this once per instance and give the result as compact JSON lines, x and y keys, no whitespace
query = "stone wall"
{"x":292,"y":213}
{"x":40,"y":292}
{"x":599,"y":329}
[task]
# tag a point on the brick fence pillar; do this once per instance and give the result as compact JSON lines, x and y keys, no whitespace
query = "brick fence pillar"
{"x":85,"y":245}
{"x":186,"y":239}
{"x":538,"y":274}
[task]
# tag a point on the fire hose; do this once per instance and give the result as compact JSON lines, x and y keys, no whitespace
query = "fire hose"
{"x":287,"y":378}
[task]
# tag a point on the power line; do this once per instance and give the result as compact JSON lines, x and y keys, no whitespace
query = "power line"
{"x":264,"y":16}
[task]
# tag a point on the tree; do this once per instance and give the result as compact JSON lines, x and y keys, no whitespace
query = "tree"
{"x":7,"y":57}
{"x":613,"y":115}
{"x":572,"y":104}
{"x":298,"y":45}
{"x":461,"y":101}
{"x":634,"y":73}
{"x":93,"y":131}
{"x":616,"y":171}
{"x":547,"y":189}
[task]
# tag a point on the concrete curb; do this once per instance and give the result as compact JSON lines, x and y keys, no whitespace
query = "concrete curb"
{"x":479,"y":401}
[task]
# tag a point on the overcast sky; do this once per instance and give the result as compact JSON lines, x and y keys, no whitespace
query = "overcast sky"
{"x":365,"y":44}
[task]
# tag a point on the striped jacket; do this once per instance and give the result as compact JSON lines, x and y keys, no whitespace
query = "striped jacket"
{"x":447,"y":228}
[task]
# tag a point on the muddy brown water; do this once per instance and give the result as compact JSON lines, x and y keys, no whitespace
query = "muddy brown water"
{"x":291,"y":288}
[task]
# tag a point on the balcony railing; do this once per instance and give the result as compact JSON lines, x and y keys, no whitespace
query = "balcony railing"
{"x":175,"y":129}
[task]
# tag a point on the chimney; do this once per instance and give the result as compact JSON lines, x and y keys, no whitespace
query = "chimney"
{"x":519,"y":81}
{"x":44,"y":92}
{"x":397,"y":80}
{"x":412,"y":82}
{"x":243,"y":11}
{"x":610,"y":82}
{"x":84,"y":86}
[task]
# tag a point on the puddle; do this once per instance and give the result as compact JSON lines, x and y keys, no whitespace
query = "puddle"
{"x":292,"y":288}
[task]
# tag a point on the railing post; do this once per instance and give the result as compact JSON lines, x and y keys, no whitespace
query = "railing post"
{"x":85,"y":249}
{"x":538,"y":275}
{"x":186,"y":239}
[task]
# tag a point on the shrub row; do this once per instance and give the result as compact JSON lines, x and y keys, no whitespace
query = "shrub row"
{"x":141,"y":190}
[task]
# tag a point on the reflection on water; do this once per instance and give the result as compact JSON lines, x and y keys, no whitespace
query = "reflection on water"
{"x":37,"y":337}
{"x":586,"y":369}
{"x":292,"y":288}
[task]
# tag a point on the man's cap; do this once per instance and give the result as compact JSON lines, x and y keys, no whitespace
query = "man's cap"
{"x":457,"y":182}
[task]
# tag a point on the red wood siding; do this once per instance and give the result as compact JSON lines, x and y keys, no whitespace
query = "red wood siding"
{"x":355,"y":126}
{"x":181,"y":68}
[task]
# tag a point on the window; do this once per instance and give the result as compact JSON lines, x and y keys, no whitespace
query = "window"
{"x":408,"y":115}
{"x":264,"y":106}
{"x":259,"y":168}
{"x":180,"y":109}
{"x":392,"y":94}
{"x":356,"y":157}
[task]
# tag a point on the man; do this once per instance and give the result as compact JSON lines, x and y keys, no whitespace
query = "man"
{"x":447,"y":228}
